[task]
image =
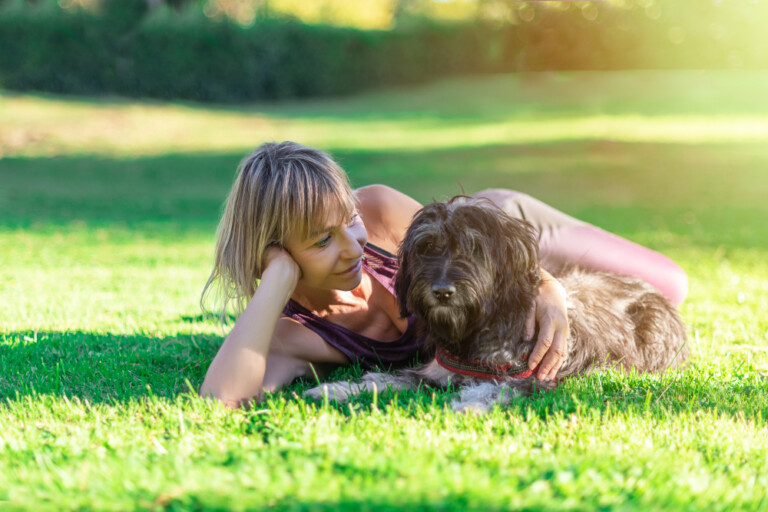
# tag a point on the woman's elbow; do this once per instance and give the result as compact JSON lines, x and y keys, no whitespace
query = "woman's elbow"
{"x":677,"y":286}
{"x":229,"y":399}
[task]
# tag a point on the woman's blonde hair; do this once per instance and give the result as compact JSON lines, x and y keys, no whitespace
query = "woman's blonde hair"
{"x":280,"y":189}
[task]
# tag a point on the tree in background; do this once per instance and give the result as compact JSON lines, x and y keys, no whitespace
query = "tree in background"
{"x":241,"y":50}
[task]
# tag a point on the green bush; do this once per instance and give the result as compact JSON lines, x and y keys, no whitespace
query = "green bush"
{"x":163,"y":53}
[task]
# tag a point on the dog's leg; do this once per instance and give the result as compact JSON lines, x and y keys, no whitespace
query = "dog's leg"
{"x":341,"y":391}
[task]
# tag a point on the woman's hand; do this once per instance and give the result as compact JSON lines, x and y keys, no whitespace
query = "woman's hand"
{"x":551,"y":314}
{"x":278,"y":263}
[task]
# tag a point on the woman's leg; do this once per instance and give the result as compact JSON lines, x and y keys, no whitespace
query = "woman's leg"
{"x":565,"y":241}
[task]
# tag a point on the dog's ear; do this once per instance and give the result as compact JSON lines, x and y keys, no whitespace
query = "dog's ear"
{"x":521,"y":250}
{"x":403,"y":277}
{"x":403,"y":282}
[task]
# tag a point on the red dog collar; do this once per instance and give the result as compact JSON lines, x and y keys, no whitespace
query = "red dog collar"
{"x":476,"y":368}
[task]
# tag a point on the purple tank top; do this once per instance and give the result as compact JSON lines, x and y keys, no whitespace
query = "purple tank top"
{"x":370,"y":353}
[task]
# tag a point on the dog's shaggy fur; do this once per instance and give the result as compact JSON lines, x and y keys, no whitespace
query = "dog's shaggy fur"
{"x":470,"y":273}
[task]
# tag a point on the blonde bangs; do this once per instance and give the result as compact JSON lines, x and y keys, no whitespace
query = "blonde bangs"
{"x":317,"y":204}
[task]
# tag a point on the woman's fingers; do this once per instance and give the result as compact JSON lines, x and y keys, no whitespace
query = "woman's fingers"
{"x":550,"y":349}
{"x":555,"y":357}
{"x":546,"y":336}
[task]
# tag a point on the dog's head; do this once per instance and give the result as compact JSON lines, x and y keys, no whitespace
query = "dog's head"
{"x":465,"y":264}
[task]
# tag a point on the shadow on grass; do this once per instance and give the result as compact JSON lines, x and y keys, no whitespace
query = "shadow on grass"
{"x":229,"y":318}
{"x":103,"y":367}
{"x":110,"y":368}
{"x":627,"y":188}
{"x":446,"y":501}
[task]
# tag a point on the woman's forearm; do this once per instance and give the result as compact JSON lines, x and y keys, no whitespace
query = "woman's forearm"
{"x":237,"y":372}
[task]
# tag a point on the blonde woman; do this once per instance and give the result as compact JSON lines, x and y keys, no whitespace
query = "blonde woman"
{"x":309,"y":263}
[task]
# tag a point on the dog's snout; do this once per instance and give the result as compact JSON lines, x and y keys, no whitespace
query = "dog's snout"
{"x":443,"y":291}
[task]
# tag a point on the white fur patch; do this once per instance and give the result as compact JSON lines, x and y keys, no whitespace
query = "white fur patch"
{"x":481,"y":397}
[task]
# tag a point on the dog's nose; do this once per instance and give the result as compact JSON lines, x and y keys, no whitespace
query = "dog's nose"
{"x":443,"y":291}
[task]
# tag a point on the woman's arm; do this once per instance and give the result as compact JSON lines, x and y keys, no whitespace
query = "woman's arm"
{"x":237,"y":372}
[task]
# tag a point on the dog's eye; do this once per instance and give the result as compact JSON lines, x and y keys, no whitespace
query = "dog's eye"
{"x":428,"y":247}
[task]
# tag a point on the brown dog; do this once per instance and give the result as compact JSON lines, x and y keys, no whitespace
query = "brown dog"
{"x":470,"y":273}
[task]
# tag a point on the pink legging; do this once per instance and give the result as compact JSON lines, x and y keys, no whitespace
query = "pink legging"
{"x":565,"y":241}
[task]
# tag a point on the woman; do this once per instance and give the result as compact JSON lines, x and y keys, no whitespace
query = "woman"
{"x":323,"y":258}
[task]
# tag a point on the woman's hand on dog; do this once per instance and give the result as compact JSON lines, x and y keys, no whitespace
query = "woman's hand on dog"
{"x":551,"y":314}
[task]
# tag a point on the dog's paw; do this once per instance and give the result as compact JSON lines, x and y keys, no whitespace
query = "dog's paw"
{"x":476,"y":408}
{"x":339,"y":391}
{"x":480,"y":398}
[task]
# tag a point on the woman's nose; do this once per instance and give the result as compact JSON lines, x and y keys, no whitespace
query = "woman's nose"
{"x":353,"y":242}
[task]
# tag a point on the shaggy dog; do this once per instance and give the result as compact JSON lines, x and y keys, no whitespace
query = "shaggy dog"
{"x":470,"y":273}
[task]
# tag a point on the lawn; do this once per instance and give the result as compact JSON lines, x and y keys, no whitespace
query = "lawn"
{"x":107,"y":216}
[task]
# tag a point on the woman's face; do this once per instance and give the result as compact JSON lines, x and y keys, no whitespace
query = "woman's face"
{"x":331,"y":258}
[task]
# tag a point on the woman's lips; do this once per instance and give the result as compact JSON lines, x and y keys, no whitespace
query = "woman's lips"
{"x":351,"y":270}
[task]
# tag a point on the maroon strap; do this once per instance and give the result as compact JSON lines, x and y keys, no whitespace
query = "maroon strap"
{"x":479,"y":369}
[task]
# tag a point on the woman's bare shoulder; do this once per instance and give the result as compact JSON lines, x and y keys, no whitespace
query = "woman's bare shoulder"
{"x":387,"y":213}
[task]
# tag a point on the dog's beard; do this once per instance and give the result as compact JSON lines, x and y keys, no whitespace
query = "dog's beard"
{"x":448,"y":322}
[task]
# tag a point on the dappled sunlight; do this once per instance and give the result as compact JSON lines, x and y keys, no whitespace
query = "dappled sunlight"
{"x":620,"y":186}
{"x":130,"y":134}
{"x":503,"y":110}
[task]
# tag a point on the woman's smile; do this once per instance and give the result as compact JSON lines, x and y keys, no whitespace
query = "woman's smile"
{"x":354,"y":269}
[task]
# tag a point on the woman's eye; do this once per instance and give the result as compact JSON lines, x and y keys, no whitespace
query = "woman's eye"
{"x":354,"y":218}
{"x":323,"y":241}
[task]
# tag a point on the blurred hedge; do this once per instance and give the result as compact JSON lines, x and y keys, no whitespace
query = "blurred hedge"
{"x":162,"y":53}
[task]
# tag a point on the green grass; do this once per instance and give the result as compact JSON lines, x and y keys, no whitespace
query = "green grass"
{"x":107,"y":216}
